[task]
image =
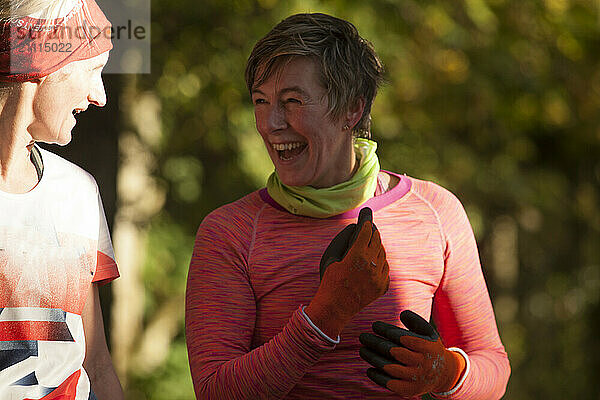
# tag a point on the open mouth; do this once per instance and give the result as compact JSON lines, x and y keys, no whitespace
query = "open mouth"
{"x":287,"y":151}
{"x":76,"y":111}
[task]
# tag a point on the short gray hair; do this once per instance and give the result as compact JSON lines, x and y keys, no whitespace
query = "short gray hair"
{"x":349,"y":67}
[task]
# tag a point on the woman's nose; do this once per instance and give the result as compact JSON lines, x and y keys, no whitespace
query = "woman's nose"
{"x":276,"y":119}
{"x":97,"y":94}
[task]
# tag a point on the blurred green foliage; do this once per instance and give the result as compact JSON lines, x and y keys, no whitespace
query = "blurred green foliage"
{"x":497,"y":100}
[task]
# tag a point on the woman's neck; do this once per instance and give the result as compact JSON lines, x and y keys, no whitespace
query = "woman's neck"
{"x":17,"y":172}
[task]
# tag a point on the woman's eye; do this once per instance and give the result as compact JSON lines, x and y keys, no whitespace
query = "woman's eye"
{"x":259,"y":101}
{"x":293,"y":100}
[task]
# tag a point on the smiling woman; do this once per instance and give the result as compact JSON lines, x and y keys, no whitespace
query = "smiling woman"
{"x":80,"y":84}
{"x":55,"y":243}
{"x":291,"y":110}
{"x":282,"y":282}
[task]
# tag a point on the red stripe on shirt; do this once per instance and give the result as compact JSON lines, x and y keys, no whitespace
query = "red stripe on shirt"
{"x":66,"y":391}
{"x":35,"y":330}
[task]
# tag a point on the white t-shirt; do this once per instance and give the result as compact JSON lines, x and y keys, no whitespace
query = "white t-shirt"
{"x":54,"y":242}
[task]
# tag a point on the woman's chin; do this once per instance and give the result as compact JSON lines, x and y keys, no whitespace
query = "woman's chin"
{"x":64,"y":142}
{"x":292,"y":177}
{"x":63,"y":139}
{"x":292,"y":180}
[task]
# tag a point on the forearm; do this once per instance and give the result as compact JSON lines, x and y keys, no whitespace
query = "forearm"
{"x":466,"y":320}
{"x":103,"y":379}
{"x":269,"y":371}
{"x":97,"y":363}
{"x":465,"y":315}
{"x":470,"y":325}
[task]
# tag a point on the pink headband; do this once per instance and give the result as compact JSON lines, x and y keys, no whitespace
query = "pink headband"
{"x":32,"y":48}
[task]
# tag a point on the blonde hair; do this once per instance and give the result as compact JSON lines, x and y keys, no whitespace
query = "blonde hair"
{"x":42,"y":9}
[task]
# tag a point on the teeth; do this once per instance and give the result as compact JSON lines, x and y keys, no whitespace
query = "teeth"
{"x":286,"y":146}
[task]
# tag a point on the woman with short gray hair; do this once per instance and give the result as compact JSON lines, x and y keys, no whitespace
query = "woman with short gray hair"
{"x":283,"y":281}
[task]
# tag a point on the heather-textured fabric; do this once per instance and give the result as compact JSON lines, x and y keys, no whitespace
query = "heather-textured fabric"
{"x":54,"y":242}
{"x":326,"y":202}
{"x":254,"y":265}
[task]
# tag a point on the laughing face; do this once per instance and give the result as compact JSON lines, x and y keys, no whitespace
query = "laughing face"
{"x":62,"y":95}
{"x":305,"y":145}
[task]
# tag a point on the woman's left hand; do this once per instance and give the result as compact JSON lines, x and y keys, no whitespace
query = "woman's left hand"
{"x":410,"y":362}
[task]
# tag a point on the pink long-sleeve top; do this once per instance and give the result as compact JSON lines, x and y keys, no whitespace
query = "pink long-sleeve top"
{"x":254,"y":265}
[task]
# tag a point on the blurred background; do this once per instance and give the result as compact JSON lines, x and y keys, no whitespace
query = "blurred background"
{"x":496,"y":100}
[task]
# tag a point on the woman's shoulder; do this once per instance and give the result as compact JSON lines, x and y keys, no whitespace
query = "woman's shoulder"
{"x":242,"y":211}
{"x":440,"y":200}
{"x":431,"y":191}
{"x":232,"y":225}
{"x":66,"y":172}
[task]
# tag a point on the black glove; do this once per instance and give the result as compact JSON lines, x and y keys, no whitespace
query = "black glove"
{"x":338,"y":248}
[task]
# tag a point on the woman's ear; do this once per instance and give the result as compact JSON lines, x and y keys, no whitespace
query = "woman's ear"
{"x":354,"y":113}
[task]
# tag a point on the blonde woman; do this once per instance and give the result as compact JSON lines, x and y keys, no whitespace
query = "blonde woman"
{"x":55,"y":249}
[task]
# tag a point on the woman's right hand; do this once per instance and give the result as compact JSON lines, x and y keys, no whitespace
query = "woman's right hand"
{"x":349,"y":285}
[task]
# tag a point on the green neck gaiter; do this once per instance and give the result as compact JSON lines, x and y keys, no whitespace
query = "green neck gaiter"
{"x":326,"y":202}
